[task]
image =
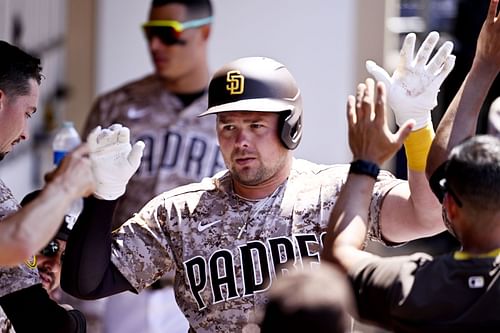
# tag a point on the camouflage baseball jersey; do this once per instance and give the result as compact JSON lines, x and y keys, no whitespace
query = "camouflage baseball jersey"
{"x":180,"y":147}
{"x":5,"y":324}
{"x":18,"y":277}
{"x":226,"y":250}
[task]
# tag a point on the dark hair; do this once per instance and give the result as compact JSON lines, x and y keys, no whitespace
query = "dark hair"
{"x":308,"y":300}
{"x":195,"y":8}
{"x":473,"y":172}
{"x":16,"y":69}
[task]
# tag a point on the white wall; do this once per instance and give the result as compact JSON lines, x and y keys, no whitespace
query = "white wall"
{"x":314,"y":39}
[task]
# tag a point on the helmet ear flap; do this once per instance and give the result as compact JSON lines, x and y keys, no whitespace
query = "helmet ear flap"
{"x":290,"y":128}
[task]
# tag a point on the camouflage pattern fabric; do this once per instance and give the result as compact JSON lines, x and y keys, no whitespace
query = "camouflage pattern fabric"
{"x":226,"y":250}
{"x":180,"y":147}
{"x":8,"y":203}
{"x":5,"y":324}
{"x":12,"y":278}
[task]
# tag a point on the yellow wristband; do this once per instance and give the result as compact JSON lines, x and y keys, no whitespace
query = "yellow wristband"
{"x":417,"y":146}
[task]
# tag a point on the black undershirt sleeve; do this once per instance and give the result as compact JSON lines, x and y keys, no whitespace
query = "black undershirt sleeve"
{"x":32,"y":310}
{"x":87,"y":270}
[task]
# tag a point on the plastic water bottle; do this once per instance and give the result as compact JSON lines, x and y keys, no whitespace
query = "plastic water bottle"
{"x":67,"y":139}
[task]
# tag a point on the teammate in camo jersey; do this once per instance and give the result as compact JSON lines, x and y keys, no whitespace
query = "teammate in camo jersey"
{"x":224,"y":252}
{"x":21,"y":276}
{"x":24,"y":305}
{"x":227,"y":236}
{"x":161,"y":109}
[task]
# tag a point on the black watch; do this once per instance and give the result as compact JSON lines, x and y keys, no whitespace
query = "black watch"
{"x":362,"y":167}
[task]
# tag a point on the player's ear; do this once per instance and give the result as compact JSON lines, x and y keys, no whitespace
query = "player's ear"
{"x":2,"y":99}
{"x":205,"y":31}
{"x":451,"y":206}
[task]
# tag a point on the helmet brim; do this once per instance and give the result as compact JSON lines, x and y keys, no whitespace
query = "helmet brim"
{"x":255,"y":104}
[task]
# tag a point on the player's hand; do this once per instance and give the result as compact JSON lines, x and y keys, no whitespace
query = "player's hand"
{"x":413,"y":88}
{"x":369,"y":136}
{"x":74,"y":173}
{"x":114,"y":159}
{"x":488,"y":42}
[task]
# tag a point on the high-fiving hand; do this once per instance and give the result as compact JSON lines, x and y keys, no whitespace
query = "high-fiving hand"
{"x":114,"y":159}
{"x":488,"y":41}
{"x":413,"y":88}
{"x":369,"y":136}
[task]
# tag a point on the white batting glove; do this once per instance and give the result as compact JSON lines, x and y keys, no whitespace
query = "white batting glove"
{"x":413,"y":88}
{"x":114,"y":160}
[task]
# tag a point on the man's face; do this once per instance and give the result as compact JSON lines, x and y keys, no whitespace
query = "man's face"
{"x":250,"y":146}
{"x":14,"y":113}
{"x":176,"y":61}
{"x":49,"y":264}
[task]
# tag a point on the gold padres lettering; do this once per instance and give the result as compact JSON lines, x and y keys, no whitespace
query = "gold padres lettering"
{"x":235,"y":83}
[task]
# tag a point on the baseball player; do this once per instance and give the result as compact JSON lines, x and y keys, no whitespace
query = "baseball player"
{"x":24,"y":231}
{"x":49,"y":259}
{"x":161,"y":109}
{"x":228,"y":236}
{"x":455,"y":292}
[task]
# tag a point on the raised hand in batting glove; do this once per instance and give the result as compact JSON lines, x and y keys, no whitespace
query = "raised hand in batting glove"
{"x":114,"y":159}
{"x":413,"y":88}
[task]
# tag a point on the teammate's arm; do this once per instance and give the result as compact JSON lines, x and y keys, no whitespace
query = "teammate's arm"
{"x":88,"y":272}
{"x":370,"y":141}
{"x":31,"y":310}
{"x":410,"y":210}
{"x":32,"y":227}
{"x":460,"y":119}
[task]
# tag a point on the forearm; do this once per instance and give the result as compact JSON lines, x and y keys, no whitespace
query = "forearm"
{"x":346,"y":232}
{"x":88,"y":272}
{"x":410,"y":211}
{"x":460,"y":119}
{"x":25,"y":232}
{"x":32,"y":310}
{"x":425,"y":207}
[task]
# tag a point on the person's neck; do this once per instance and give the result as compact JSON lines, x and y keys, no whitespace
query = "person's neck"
{"x":195,"y":81}
{"x":485,"y":242}
{"x":480,"y":246}
{"x":266,"y":188}
{"x":479,"y":239}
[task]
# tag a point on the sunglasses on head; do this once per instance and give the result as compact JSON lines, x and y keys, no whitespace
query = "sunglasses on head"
{"x":51,"y":250}
{"x":445,"y":187}
{"x":169,"y":31}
